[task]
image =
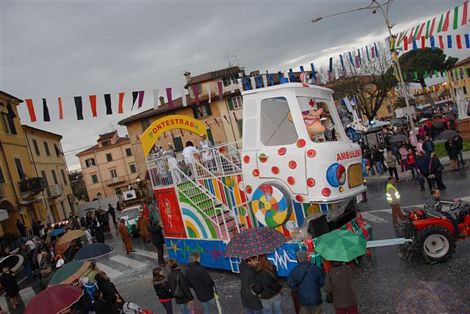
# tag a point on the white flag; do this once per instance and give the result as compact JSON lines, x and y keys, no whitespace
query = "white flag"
{"x":156,"y":101}
{"x":265,"y":80}
{"x":183,"y":97}
{"x":240,"y":84}
{"x":208,"y":89}
{"x":253,"y":82}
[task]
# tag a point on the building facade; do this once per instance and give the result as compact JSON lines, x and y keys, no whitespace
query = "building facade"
{"x":108,"y":167}
{"x":20,"y":187}
{"x":459,"y":77}
{"x":220,"y":109}
{"x":48,"y":162}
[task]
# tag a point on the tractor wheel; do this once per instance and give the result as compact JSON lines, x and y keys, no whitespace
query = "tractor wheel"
{"x":436,"y":244}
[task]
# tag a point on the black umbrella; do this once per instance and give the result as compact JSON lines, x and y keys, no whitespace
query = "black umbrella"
{"x":13,"y":261}
{"x":92,"y":251}
{"x":254,"y":241}
{"x":398,"y":138}
{"x":447,"y":134}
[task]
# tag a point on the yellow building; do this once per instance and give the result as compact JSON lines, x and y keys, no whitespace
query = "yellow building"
{"x":222,"y":116}
{"x":459,"y":76}
{"x":45,"y":152}
{"x":20,"y":187}
{"x":109,"y":167}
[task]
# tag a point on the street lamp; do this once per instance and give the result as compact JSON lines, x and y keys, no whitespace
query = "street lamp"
{"x":382,"y":8}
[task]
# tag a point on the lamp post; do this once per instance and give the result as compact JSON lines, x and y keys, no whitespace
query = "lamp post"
{"x":383,"y":9}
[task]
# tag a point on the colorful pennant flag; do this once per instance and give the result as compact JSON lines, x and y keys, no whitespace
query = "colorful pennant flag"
{"x":458,"y":41}
{"x":314,"y":73}
{"x":467,"y":40}
{"x":135,"y":94}
{"x":45,"y":111}
{"x":342,"y":64}
{"x":141,"y":99}
{"x":423,"y":42}
{"x":330,"y":70}
{"x":169,"y":97}
{"x":196,"y":93}
{"x":456,"y":17}
{"x":121,"y":102}
{"x":93,"y":105}
{"x":376,"y":50}
{"x":107,"y":103}
{"x":32,"y":113}
{"x":449,"y":41}
{"x":61,"y":108}
{"x":78,"y":107}
{"x":445,"y":25}
{"x":441,"y":42}
{"x":432,"y":43}
{"x":441,"y":21}
{"x":465,"y":13}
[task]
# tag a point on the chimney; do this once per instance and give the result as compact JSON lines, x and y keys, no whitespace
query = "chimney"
{"x":162,"y":100}
{"x":187,"y":75}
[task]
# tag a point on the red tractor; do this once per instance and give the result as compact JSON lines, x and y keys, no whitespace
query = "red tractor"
{"x":433,"y":230}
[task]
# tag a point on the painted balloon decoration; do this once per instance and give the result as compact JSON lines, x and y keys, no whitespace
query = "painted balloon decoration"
{"x":271,"y":206}
{"x":336,"y":175}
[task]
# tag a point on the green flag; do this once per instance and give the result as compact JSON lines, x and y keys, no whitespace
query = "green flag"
{"x":456,"y":17}
{"x":428,"y":24}
{"x":441,"y":20}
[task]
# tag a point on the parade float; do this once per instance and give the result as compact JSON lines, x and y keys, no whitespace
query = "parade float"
{"x":295,"y":171}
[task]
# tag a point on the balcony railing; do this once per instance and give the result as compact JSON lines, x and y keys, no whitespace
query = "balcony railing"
{"x":115,"y":180}
{"x":54,"y":190}
{"x":32,"y":185}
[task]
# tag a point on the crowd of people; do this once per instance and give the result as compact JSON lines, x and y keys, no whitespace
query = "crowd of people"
{"x":415,"y":155}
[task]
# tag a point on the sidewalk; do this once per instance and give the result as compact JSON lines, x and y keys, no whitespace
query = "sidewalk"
{"x":407,"y":175}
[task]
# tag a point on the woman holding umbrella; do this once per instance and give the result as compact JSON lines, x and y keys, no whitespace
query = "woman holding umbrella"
{"x":266,"y":286}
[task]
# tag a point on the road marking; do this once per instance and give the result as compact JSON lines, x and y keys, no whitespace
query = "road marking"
{"x":145,"y":253}
{"x":110,"y":272}
{"x":373,"y":218}
{"x":127,"y":261}
{"x":26,"y":295}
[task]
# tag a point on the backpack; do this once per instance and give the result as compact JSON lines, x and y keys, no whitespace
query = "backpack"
{"x":178,"y":293}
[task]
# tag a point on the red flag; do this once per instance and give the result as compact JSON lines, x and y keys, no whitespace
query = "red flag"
{"x":410,"y":38}
{"x":445,"y":26}
{"x":405,"y":44}
{"x":441,"y":42}
{"x":464,"y":13}
{"x":61,"y":109}
{"x":93,"y":105}
{"x":196,"y":93}
{"x":169,"y":98}
{"x":423,"y":42}
{"x":32,"y":113}
{"x":432,"y":27}
{"x":121,"y":100}
{"x":459,"y":41}
{"x":420,"y":31}
{"x":220,"y":88}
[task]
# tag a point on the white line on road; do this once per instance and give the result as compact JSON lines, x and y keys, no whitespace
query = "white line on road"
{"x":26,"y":295}
{"x":127,"y":261}
{"x":110,"y":272}
{"x":145,"y":253}
{"x":373,"y":218}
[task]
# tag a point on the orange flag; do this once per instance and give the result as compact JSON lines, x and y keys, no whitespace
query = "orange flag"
{"x":121,"y":100}
{"x":32,"y":113}
{"x":61,"y":109}
{"x":93,"y":105}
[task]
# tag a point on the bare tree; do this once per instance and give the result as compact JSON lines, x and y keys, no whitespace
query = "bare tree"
{"x":370,"y":83}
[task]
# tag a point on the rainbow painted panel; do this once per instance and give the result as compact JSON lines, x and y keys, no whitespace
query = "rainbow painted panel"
{"x":197,"y":226}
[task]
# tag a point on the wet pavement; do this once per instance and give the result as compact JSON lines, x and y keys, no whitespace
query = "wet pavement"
{"x":384,"y":282}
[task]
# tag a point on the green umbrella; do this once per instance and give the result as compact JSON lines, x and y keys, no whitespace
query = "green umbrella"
{"x":69,"y":272}
{"x":340,"y":245}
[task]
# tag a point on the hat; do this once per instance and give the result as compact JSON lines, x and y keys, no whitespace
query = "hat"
{"x":301,"y":255}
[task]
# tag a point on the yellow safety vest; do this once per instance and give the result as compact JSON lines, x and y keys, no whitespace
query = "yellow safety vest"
{"x":393,"y":197}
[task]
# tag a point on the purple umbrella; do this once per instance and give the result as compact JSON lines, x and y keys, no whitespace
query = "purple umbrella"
{"x":254,"y":241}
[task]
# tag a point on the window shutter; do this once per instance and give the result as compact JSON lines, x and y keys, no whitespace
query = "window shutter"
{"x":195,"y":112}
{"x":209,"y":111}
{"x":230,"y":103}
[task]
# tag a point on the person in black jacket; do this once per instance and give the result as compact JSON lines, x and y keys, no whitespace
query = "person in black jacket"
{"x":266,"y":286}
{"x":251,"y":303}
{"x":180,"y":287}
{"x":110,"y":294}
{"x":435,"y":168}
{"x":8,"y":283}
{"x":158,"y":240}
{"x":163,"y":290}
{"x":202,"y":283}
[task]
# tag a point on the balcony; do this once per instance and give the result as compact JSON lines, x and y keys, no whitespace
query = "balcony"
{"x":54,"y":191}
{"x":31,"y":186}
{"x":115,"y":180}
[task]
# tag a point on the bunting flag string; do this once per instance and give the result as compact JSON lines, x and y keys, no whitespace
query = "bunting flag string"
{"x":32,"y":113}
{"x":78,"y":107}
{"x":141,"y":99}
{"x":121,"y":102}
{"x":456,"y":41}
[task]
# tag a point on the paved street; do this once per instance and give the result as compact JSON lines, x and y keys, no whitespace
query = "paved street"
{"x":385,"y":283}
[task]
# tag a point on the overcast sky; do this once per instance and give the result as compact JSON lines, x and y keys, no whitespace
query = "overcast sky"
{"x":71,"y":48}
